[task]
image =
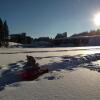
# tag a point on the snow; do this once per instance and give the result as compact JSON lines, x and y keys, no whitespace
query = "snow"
{"x":73,"y":74}
{"x":14,"y":45}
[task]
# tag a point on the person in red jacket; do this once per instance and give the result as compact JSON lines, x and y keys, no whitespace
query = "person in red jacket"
{"x":31,"y":69}
{"x":31,"y":64}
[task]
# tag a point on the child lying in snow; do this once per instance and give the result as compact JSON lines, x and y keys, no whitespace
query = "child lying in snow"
{"x":31,"y":64}
{"x":32,"y":70}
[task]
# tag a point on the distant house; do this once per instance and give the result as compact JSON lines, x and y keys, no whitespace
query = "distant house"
{"x":94,"y":41}
{"x":85,"y":40}
{"x":21,"y":38}
{"x":61,"y":35}
{"x":77,"y":41}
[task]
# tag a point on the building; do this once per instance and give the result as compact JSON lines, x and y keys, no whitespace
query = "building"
{"x":21,"y":38}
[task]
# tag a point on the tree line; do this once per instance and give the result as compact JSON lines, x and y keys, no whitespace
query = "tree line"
{"x":60,"y":38}
{"x":4,"y":33}
{"x":90,"y":33}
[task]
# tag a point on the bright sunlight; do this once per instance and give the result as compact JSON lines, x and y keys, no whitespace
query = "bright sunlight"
{"x":97,"y":19}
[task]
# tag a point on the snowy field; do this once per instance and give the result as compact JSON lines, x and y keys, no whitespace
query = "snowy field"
{"x":74,"y":74}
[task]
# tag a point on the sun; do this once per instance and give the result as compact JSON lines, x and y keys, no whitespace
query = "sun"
{"x":97,"y":19}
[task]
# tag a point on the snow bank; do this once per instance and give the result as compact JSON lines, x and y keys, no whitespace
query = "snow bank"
{"x":14,"y":45}
{"x":70,"y":62}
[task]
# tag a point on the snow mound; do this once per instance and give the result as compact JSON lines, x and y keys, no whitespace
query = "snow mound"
{"x":70,"y":62}
{"x":14,"y":45}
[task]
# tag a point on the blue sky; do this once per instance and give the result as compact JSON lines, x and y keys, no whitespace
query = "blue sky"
{"x":48,"y":17}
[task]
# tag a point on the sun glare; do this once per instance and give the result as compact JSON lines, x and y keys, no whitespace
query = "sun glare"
{"x":97,"y":19}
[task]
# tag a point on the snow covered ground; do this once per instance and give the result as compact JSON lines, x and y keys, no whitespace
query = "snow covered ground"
{"x":73,"y":74}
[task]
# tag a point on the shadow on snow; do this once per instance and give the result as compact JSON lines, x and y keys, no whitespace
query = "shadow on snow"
{"x":10,"y":75}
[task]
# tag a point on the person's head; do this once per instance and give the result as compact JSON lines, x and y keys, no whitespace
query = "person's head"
{"x":27,"y":57}
{"x":30,"y":58}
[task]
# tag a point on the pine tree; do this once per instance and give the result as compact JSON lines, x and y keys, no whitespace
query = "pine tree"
{"x":6,"y":33}
{"x":1,"y":33}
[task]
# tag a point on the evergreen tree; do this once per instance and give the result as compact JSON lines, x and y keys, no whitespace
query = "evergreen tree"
{"x":1,"y":33}
{"x":6,"y":34}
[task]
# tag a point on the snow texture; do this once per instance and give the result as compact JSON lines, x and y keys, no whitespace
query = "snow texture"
{"x":73,"y":74}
